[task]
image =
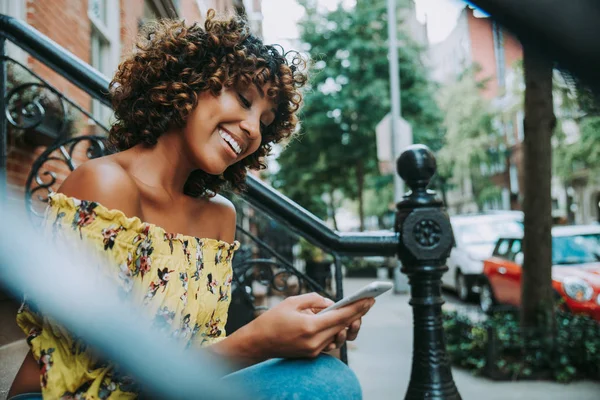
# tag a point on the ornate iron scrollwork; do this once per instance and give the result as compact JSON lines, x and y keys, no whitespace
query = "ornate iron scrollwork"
{"x":44,"y":179}
{"x":425,"y":233}
{"x":27,"y":105}
{"x":283,"y":279}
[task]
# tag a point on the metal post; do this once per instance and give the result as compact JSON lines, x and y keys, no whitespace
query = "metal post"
{"x":394,"y":91}
{"x":425,"y":243}
{"x":3,"y":121}
{"x":399,"y":283}
{"x":339,"y":294}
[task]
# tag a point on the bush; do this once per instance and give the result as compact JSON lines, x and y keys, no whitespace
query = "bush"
{"x":500,"y":349}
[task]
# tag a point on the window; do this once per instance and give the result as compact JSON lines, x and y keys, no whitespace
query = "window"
{"x":487,"y":232}
{"x":520,"y":127}
{"x":514,"y":179}
{"x":502,"y":248}
{"x":499,"y":54}
{"x":577,"y":249}
{"x":104,"y":45}
{"x":16,"y":9}
{"x":510,"y":132}
{"x":515,"y":248}
{"x":150,"y":13}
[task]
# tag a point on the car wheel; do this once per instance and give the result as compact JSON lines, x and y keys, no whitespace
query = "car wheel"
{"x":486,"y":298}
{"x":462,"y":289}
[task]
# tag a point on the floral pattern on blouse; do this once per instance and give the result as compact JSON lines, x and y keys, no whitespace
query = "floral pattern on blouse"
{"x":155,"y":269}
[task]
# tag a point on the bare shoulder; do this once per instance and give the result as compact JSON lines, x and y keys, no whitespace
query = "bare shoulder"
{"x":104,"y":181}
{"x":222,"y":205}
{"x":224,"y":213}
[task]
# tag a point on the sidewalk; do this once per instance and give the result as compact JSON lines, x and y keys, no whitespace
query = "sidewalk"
{"x":381,"y":357}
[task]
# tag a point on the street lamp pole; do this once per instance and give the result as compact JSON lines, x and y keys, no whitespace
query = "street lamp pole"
{"x":395,"y":93}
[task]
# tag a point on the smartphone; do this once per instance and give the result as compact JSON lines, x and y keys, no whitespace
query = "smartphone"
{"x":373,"y":289}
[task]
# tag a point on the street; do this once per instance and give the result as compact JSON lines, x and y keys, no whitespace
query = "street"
{"x":381,"y":358}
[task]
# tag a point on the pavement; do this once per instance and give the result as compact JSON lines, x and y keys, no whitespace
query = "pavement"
{"x":381,"y":357}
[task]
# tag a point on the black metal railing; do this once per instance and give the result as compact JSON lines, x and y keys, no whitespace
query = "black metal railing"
{"x":422,"y":240}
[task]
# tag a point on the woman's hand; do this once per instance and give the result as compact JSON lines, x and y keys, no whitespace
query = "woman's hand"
{"x":294,"y":329}
{"x":348,"y":334}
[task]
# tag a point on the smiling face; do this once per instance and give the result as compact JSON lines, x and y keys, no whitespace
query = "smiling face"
{"x":224,"y":129}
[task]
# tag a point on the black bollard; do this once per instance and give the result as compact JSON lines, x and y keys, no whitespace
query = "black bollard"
{"x":425,"y":243}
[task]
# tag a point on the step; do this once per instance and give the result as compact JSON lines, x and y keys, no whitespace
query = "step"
{"x":11,"y":358}
{"x":13,"y":346}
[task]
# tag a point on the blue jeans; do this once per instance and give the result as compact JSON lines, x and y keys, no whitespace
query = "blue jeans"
{"x":323,"y":378}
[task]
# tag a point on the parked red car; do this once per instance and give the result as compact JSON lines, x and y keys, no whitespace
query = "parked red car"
{"x":575,"y":270}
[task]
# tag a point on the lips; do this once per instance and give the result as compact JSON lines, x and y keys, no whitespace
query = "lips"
{"x":233,"y":142}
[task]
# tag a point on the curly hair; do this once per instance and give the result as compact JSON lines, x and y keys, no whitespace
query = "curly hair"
{"x":158,"y":86}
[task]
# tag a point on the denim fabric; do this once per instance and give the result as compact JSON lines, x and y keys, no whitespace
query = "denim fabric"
{"x":27,"y":396}
{"x":323,"y":378}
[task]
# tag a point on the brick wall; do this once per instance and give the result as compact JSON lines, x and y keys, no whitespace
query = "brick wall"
{"x":131,"y":12}
{"x":67,"y":23}
{"x":190,"y":12}
{"x":482,"y":51}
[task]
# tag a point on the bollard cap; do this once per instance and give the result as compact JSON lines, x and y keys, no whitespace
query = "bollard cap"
{"x":416,"y":166}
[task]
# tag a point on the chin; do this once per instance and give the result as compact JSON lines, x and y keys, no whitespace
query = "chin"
{"x":213,"y":171}
{"x":211,"y":166}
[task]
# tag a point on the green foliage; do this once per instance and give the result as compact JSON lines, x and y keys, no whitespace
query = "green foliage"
{"x":468,"y":124}
{"x":572,"y":353}
{"x":469,"y":133}
{"x":310,"y":252}
{"x":348,"y":98}
{"x":582,"y":154}
{"x":379,"y":196}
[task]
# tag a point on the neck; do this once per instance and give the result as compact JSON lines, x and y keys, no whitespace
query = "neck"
{"x":165,"y":165}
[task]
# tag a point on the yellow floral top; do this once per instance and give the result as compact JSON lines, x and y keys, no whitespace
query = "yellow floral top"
{"x":182,"y":282}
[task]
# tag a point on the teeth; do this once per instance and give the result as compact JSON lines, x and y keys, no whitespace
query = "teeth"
{"x":227,"y":137}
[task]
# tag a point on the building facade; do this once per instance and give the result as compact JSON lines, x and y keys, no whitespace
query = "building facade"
{"x":497,"y":54}
{"x":480,"y":42}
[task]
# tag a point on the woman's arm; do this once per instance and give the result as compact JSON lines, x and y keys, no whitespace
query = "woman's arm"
{"x":292,"y":329}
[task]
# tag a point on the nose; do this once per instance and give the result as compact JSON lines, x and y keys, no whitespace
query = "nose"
{"x":251,"y":127}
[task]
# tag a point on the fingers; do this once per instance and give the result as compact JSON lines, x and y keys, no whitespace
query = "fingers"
{"x":327,"y":301}
{"x":346,"y":315}
{"x":353,"y":329}
{"x":309,"y":301}
{"x":337,"y":341}
{"x":340,"y":338}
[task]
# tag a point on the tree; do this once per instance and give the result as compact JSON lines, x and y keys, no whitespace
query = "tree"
{"x":469,"y":135}
{"x":349,"y":96}
{"x":537,"y":298}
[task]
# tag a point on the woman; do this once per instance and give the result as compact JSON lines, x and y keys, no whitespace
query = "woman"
{"x":195,"y":108}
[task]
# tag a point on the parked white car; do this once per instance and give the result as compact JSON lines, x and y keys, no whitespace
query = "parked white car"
{"x":475,"y":236}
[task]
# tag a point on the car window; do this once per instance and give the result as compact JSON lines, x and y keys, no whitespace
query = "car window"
{"x":576,"y":249}
{"x":502,"y":248}
{"x":487,"y":232}
{"x":515,"y":248}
